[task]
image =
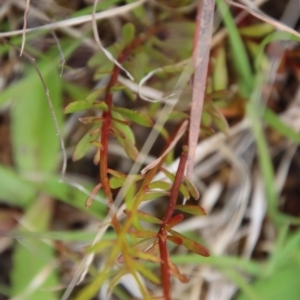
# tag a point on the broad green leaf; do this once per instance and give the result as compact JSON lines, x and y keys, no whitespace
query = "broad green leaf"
{"x":283,"y":284}
{"x":128,"y":32}
{"x":276,"y":123}
{"x":191,"y":188}
{"x":134,"y":116}
{"x":175,"y":220}
{"x":257,"y":30}
{"x":15,"y":190}
{"x":190,"y":244}
{"x":154,"y":195}
{"x":34,"y":258}
{"x":191,"y":209}
{"x":159,"y":185}
{"x":34,"y":137}
{"x":147,"y":217}
{"x":83,"y":145}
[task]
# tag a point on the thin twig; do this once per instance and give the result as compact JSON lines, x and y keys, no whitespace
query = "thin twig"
{"x":78,"y":20}
{"x":62,"y":57}
{"x":24,"y":26}
{"x":96,"y":36}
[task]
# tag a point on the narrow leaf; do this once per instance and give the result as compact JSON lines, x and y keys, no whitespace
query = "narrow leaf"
{"x":191,"y":188}
{"x":174,"y":239}
{"x":191,"y":209}
{"x":154,"y":195}
{"x":134,"y":116}
{"x":175,"y":272}
{"x":159,"y":185}
{"x":89,"y":201}
{"x":77,"y":106}
{"x":83,"y":146}
{"x":183,"y":189}
{"x":175,"y":220}
{"x":128,"y":32}
{"x":128,"y":147}
{"x":190,"y":244}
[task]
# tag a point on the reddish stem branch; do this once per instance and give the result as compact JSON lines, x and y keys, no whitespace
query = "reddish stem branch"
{"x":105,"y":129}
{"x":162,"y":234}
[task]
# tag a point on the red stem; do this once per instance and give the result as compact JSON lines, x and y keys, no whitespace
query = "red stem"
{"x":162,"y":234}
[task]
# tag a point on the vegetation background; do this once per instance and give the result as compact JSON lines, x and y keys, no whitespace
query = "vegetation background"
{"x":246,"y":166}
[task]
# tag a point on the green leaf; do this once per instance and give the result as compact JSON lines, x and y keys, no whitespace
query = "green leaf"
{"x":34,"y":137}
{"x":257,"y":30}
{"x":159,"y":185}
{"x":182,"y":189}
{"x":115,"y":183}
{"x":134,"y":116}
{"x":278,"y":35}
{"x":83,"y":145}
{"x":14,"y":189}
{"x":84,"y":105}
{"x":128,"y":32}
{"x":34,"y":258}
{"x":190,"y":244}
{"x":191,"y":188}
{"x":191,"y":209}
{"x":283,"y":284}
{"x":124,"y":128}
{"x":178,"y":116}
{"x":276,"y":123}
{"x":220,"y":72}
{"x":95,"y":95}
{"x":239,"y":53}
{"x":128,"y":147}
{"x":154,"y":195}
